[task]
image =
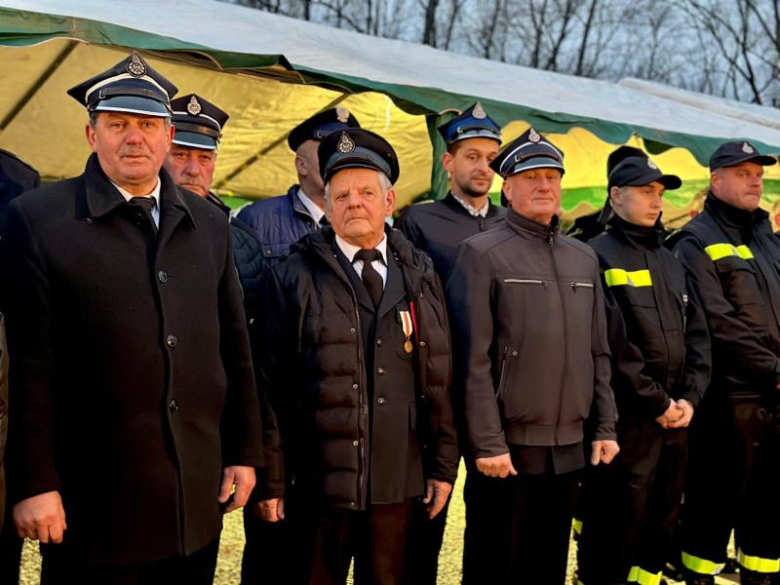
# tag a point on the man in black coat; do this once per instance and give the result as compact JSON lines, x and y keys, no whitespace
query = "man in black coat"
{"x":136,"y":412}
{"x":732,"y":259}
{"x":16,"y":177}
{"x":356,"y":358}
{"x":660,"y":370}
{"x":531,"y":361}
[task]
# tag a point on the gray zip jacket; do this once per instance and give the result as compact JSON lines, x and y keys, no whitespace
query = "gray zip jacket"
{"x":530,"y":332}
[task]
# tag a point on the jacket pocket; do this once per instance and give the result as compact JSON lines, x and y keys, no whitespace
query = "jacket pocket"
{"x":534,"y":281}
{"x":507,"y":377}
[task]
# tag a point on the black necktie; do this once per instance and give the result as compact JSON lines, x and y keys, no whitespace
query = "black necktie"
{"x":324,"y":222}
{"x":371,"y":278}
{"x":144,"y":205}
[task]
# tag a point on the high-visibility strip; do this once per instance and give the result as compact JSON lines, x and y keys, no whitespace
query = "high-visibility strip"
{"x":620,"y":277}
{"x":639,"y":575}
{"x":758,"y":564}
{"x":577,"y":525}
{"x":718,"y":251}
{"x":701,"y":566}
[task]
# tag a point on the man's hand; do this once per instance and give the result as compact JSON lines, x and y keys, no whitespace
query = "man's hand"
{"x":497,"y":466}
{"x":41,"y":518}
{"x":604,"y":452}
{"x":685,"y":419}
{"x":673,"y":414}
{"x":436,"y":496}
{"x":269,"y":510}
{"x":243,"y":478}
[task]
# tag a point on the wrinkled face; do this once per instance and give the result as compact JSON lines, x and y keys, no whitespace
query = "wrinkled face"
{"x":131,"y":148}
{"x":638,"y":205}
{"x":192,"y":168}
{"x":535,"y":194}
{"x":740,"y":186}
{"x":468,"y":166}
{"x":357,"y":205}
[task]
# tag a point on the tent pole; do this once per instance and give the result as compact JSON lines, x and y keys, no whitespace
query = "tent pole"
{"x":265,"y":150}
{"x":50,"y":70}
{"x":440,"y":181}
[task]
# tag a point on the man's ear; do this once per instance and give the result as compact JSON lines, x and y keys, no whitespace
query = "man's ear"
{"x":615,"y":196}
{"x":300,"y":166}
{"x":446,"y":162}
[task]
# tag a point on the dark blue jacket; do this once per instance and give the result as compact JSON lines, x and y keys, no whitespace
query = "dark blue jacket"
{"x":279,"y":222}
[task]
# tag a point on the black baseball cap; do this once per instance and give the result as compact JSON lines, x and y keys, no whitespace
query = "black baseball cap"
{"x":730,"y":154}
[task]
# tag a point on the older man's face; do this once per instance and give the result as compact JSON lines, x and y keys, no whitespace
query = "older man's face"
{"x":192,"y":168}
{"x":131,"y":148}
{"x":535,"y":194}
{"x":357,"y":206}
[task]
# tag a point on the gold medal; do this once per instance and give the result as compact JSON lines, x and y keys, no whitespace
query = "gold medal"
{"x":408,"y":346}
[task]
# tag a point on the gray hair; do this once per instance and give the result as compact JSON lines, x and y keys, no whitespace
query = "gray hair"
{"x":384,"y":184}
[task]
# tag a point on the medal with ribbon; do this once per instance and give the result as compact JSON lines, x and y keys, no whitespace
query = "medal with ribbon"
{"x":405,"y":317}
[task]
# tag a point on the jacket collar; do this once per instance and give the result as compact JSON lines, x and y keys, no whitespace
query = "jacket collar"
{"x":731,"y":216}
{"x":637,"y":235}
{"x":451,"y":202}
{"x":102,"y":197}
{"x":297,"y":204}
{"x":523,"y":225}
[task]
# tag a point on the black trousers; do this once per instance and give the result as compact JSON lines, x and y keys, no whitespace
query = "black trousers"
{"x":270,"y":550}
{"x":631,"y":507}
{"x":733,"y":482}
{"x":61,"y":568}
{"x":518,"y":528}
{"x":423,"y":545}
{"x":328,"y":540}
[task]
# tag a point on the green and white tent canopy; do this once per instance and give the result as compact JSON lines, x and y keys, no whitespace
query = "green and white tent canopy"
{"x":270,"y":72}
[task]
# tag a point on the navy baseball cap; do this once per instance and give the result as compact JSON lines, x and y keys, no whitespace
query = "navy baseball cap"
{"x":730,"y":154}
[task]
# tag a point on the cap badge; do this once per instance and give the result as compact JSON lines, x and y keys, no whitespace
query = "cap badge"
{"x":479,"y":112}
{"x":746,"y":148}
{"x":533,"y":135}
{"x":194,"y":108}
{"x":346,"y":144}
{"x":342,"y":115}
{"x":136,"y":67}
{"x":652,"y":165}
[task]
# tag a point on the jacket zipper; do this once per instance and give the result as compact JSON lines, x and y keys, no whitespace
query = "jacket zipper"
{"x":544,"y":283}
{"x":550,"y":242}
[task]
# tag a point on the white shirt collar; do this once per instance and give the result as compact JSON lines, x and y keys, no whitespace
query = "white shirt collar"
{"x":473,"y":211}
{"x":155,"y":193}
{"x":310,"y":206}
{"x":349,"y":250}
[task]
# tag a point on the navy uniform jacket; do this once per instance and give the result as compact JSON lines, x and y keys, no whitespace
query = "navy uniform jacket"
{"x":438,"y":228}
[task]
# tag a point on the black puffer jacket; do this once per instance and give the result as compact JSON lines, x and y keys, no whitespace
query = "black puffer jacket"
{"x":733,"y":257}
{"x":660,"y":346}
{"x":531,"y":342}
{"x":311,"y":364}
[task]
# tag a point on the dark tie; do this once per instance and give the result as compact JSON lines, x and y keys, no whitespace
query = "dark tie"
{"x":144,"y":206}
{"x":324,"y":222}
{"x":371,"y":278}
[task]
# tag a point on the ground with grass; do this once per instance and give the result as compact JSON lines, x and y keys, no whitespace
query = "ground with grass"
{"x":232,"y":546}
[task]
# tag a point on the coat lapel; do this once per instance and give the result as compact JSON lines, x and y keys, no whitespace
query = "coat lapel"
{"x":394,"y":287}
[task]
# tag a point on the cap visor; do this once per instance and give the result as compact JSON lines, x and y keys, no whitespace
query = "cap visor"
{"x":194,"y":140}
{"x":133,"y":105}
{"x":537,"y":162}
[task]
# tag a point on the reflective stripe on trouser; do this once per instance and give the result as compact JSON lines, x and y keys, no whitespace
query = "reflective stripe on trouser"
{"x":577,"y":525}
{"x":732,"y":483}
{"x":758,"y":564}
{"x":701,"y":566}
{"x":639,"y":575}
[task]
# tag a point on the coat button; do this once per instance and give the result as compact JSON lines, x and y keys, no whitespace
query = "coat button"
{"x":379,"y":342}
{"x":352,"y":330}
{"x":380,"y":401}
{"x":173,"y":406}
{"x":422,"y":344}
{"x":172,"y":341}
{"x":381,"y":371}
{"x":514,"y":354}
{"x":355,"y":443}
{"x":355,"y":386}
{"x":162,"y":276}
